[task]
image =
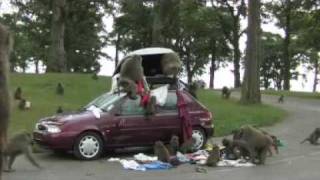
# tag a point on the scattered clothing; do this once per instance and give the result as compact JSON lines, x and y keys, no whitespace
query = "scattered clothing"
{"x":114,"y":159}
{"x":161,"y":94}
{"x":157,"y":165}
{"x":132,"y":165}
{"x":144,"y":158}
{"x":182,"y":158}
{"x":235,"y":163}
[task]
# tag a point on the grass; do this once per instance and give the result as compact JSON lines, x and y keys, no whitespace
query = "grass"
{"x":230,"y":114}
{"x":81,"y":89}
{"x":308,"y":95}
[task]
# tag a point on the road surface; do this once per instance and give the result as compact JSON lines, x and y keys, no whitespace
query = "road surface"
{"x":295,"y":161}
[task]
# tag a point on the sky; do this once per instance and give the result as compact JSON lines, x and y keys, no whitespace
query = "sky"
{"x":223,"y":76}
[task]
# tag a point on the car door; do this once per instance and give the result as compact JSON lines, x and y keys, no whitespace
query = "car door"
{"x":134,"y":128}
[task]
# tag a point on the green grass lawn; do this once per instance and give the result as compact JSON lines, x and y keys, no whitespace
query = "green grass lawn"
{"x":309,"y":95}
{"x":230,"y":114}
{"x":81,"y":89}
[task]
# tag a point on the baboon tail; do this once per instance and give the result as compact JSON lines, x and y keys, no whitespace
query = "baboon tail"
{"x":304,"y":141}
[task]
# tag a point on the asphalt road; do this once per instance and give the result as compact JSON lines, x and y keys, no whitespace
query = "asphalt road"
{"x":295,"y":161}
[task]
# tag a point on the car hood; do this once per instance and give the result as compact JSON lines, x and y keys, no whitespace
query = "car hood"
{"x":70,"y":116}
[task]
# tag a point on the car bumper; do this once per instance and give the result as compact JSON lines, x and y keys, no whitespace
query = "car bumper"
{"x":58,"y":141}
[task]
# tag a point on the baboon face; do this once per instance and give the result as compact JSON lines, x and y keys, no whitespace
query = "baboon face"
{"x":226,"y":142}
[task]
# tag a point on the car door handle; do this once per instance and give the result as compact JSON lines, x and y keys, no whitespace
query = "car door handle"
{"x":122,"y":123}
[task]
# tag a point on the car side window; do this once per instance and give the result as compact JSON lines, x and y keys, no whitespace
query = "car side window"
{"x":171,"y":102}
{"x":132,"y":107}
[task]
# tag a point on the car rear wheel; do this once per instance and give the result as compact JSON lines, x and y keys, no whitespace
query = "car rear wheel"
{"x":88,"y":146}
{"x":199,"y":138}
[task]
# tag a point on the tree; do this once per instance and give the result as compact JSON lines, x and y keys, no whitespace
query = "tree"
{"x":236,"y":9}
{"x":271,"y":68}
{"x":250,"y":92}
{"x":57,"y":62}
{"x":285,"y":13}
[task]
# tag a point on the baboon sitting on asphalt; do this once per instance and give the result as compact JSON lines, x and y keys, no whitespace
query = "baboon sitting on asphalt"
{"x":161,"y":152}
{"x":226,"y":92}
{"x":214,"y":156}
{"x":173,"y":146}
{"x":313,"y":137}
{"x":18,"y":145}
{"x":235,"y":149}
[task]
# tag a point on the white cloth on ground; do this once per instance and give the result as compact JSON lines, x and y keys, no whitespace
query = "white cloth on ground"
{"x":235,"y":163}
{"x":144,"y":158}
{"x":132,"y":165}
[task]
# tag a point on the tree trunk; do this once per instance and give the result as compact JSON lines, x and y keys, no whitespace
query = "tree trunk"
{"x":157,"y":24}
{"x":117,"y":50}
{"x":316,"y":72}
{"x":212,"y":68}
{"x":4,"y":91}
{"x":236,"y":58}
{"x":57,"y":61}
{"x":287,"y":64}
{"x":36,"y":64}
{"x":250,"y":92}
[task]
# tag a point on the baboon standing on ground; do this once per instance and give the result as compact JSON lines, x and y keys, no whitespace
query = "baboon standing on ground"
{"x":4,"y":93}
{"x":256,"y":140}
{"x":235,"y":149}
{"x":225,"y":92}
{"x":18,"y":145}
{"x":281,"y":99}
{"x":18,"y":94}
{"x":60,"y":89}
{"x":313,"y":137}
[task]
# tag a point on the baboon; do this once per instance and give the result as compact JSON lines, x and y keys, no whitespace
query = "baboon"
{"x":256,"y":140}
{"x":214,"y":156}
{"x":235,"y":149}
{"x":170,"y":64}
{"x":313,"y":137}
{"x":24,"y":104}
{"x":95,"y":76}
{"x":18,"y":94}
{"x":60,"y":89}
{"x":274,"y":144}
{"x":193,"y":87}
{"x":18,"y":145}
{"x":59,"y":110}
{"x":151,"y":107}
{"x":161,"y":152}
{"x":131,"y":73}
{"x":174,"y":145}
{"x":281,"y":99}
{"x":226,"y":92}
{"x":5,"y":46}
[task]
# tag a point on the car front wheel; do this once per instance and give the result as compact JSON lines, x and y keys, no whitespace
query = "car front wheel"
{"x":199,"y":138}
{"x":88,"y":146}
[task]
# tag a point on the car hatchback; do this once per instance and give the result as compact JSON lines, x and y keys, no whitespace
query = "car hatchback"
{"x":115,"y":121}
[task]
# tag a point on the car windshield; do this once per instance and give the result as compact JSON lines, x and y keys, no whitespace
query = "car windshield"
{"x":105,"y":101}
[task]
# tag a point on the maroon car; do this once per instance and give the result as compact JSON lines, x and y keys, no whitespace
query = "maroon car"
{"x":115,"y":121}
{"x":120,"y":123}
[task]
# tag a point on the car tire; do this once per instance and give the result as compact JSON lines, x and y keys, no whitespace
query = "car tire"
{"x":200,"y":138}
{"x":88,"y":146}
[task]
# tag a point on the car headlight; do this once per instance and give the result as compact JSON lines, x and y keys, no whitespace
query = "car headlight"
{"x":53,"y":129}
